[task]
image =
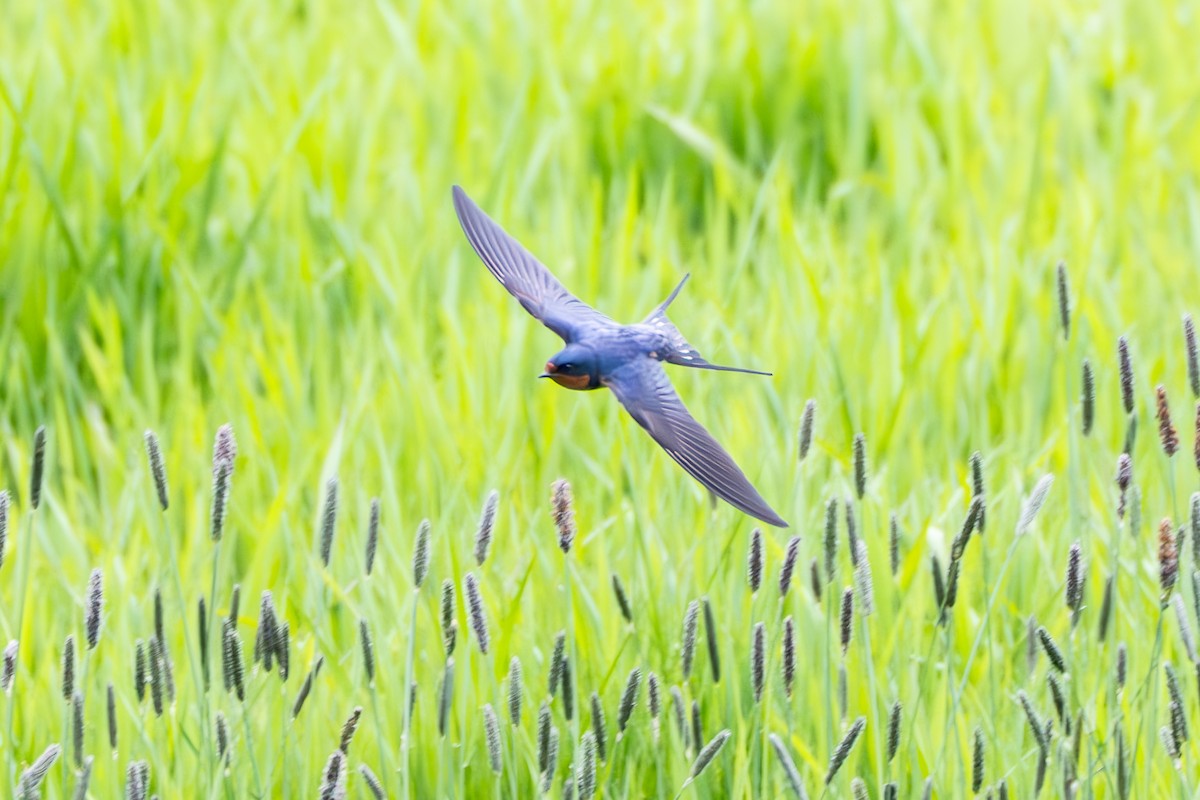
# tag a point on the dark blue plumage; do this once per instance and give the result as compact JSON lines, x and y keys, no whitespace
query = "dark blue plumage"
{"x":625,"y":358}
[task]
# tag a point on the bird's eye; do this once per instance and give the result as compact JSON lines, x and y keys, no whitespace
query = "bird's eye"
{"x":565,"y":367}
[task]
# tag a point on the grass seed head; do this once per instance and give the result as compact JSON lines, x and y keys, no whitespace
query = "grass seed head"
{"x":31,"y":779}
{"x":1122,"y":662}
{"x":1170,"y":743}
{"x":939,"y":585}
{"x":449,"y":625}
{"x":1088,"y":397}
{"x":77,"y":729}
{"x":1074,"y":586}
{"x":893,"y":731}
{"x":754,"y":560}
{"x":491,"y":730}
{"x":806,"y":428}
{"x":1196,"y":440}
{"x":1185,"y":628}
{"x":232,"y":661}
{"x":111,"y":703}
{"x":368,"y":650}
{"x":1168,"y":559}
{"x":1179,"y":729}
{"x":157,"y":471}
{"x":860,"y":465}
{"x":815,"y":579}
{"x":475,"y":612}
{"x":564,"y":514}
{"x":789,"y":655}
{"x":157,"y":681}
{"x":487,"y":525}
{"x":306,"y":687}
{"x":709,"y":752}
{"x":1125,"y":367}
{"x":372,"y":538}
{"x":863,"y":581}
{"x":697,"y":732}
{"x":830,"y":539}
{"x":283,"y":650}
{"x":139,"y":672}
{"x":421,"y":554}
{"x":851,"y":532}
{"x":1052,"y":651}
{"x":82,"y":780}
{"x":788,"y":569}
{"x":858,"y":788}
{"x":1064,"y":300}
{"x":446,"y":697}
{"x":688,"y":650}
{"x":543,"y":737}
{"x":556,"y":661}
{"x":202,"y":635}
{"x":1057,"y":697}
{"x":329,"y":519}
{"x":977,"y":753}
{"x":654,"y":698}
{"x":39,"y":467}
{"x":515,"y":691}
{"x":333,"y":777}
{"x":222,"y":732}
{"x":585,"y":773}
{"x":3,"y":523}
{"x":789,"y":767}
{"x":568,"y":689}
{"x":847,"y":618}
{"x":68,"y":668}
{"x":1106,"y":609}
{"x":374,"y":785}
{"x":629,"y":699}
{"x":842,"y":751}
{"x":599,"y":728}
{"x":680,"y":712}
{"x":222,"y":472}
{"x":95,"y":607}
{"x":1124,"y":479}
{"x":1167,"y":435}
{"x":349,"y":727}
{"x":622,"y":598}
{"x":1193,"y":355}
{"x":1033,"y":504}
{"x":977,"y":488}
{"x":894,"y":543}
{"x":758,"y":661}
{"x":711,"y":641}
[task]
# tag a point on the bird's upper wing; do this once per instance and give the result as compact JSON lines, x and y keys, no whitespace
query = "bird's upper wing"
{"x":526,"y":278}
{"x":644,"y":389}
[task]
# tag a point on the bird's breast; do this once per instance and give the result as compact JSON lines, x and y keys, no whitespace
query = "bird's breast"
{"x":579,"y":383}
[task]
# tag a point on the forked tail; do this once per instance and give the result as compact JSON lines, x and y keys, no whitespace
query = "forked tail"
{"x":681,"y":352}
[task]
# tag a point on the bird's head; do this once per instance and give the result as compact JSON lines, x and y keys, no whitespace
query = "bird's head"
{"x":574,"y":367}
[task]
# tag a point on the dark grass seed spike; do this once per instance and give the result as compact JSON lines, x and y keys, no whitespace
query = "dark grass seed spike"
{"x":894,"y":543}
{"x":235,"y":598}
{"x":329,"y":519}
{"x":789,"y":655}
{"x":372,"y":540}
{"x":830,"y":540}
{"x":654,"y":702}
{"x":306,"y":687}
{"x":283,"y":650}
{"x":374,"y":786}
{"x":83,"y":780}
{"x":1074,"y":584}
{"x":157,"y":471}
{"x":847,"y":619}
{"x":1185,"y":628}
{"x":421,"y":554}
{"x":1168,"y":559}
{"x":551,"y":759}
{"x":1056,"y":695}
{"x":599,"y":729}
{"x":851,"y":532}
{"x":842,"y":751}
{"x":158,"y":615}
{"x":708,"y":753}
{"x":697,"y":732}
{"x":368,"y":650}
{"x":111,"y":698}
{"x":564,"y":514}
{"x":815,"y":579}
{"x":515,"y":692}
{"x":622,"y":598}
{"x":487,"y":525}
{"x":1193,"y":355}
{"x":711,"y":641}
{"x":1053,"y":653}
{"x":1179,"y":729}
{"x":1196,"y":440}
{"x":39,"y":467}
{"x":680,"y":712}
{"x":202,"y":635}
{"x":858,"y":788}
{"x":3,"y":523}
{"x":491,"y":729}
{"x":788,"y":569}
{"x":754,"y":560}
{"x":585,"y":773}
{"x":31,"y":779}
{"x":139,"y":671}
{"x":449,"y":624}
{"x":543,"y":737}
{"x":864,"y":583}
{"x":688,"y":649}
{"x":222,"y":471}
{"x":1088,"y":397}
{"x":1064,"y":300}
{"x":95,"y":608}
{"x":156,"y":676}
{"x":556,"y":662}
{"x":1167,"y":435}
{"x":1122,"y":665}
{"x":232,"y":661}
{"x":758,"y":660}
{"x":893,"y":732}
{"x":333,"y":777}
{"x":977,"y":488}
{"x":939,"y":587}
{"x":1170,"y":744}
{"x":476,"y":614}
{"x":68,"y":668}
{"x":349,"y":727}
{"x":629,"y":699}
{"x":1125,"y":367}
{"x":446,"y":697}
{"x":568,"y":689}
{"x":805,"y":436}
{"x":77,"y":730}
{"x":795,"y":783}
{"x":860,"y":465}
{"x":952,"y":583}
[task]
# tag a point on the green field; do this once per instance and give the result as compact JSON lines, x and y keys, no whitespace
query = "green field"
{"x":240,"y":213}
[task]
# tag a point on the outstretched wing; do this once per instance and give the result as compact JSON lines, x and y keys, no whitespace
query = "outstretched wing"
{"x":526,"y":278}
{"x":644,"y":389}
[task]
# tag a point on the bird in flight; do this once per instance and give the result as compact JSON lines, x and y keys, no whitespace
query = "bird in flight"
{"x":625,"y":358}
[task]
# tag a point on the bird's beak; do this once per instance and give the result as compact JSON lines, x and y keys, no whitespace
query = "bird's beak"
{"x":550,"y":370}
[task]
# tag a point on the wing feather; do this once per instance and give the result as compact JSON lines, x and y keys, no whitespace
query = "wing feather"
{"x":645,"y":391}
{"x":525,"y":278}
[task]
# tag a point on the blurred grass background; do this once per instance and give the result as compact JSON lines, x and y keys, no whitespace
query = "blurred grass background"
{"x":240,"y":213}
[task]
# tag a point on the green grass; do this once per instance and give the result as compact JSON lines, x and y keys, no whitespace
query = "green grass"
{"x":241,"y":213}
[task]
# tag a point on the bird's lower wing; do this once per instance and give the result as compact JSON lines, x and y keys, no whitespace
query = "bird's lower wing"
{"x":525,"y":278}
{"x":646,"y":392}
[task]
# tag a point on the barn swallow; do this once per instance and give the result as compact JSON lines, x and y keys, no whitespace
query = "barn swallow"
{"x":625,"y":358}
